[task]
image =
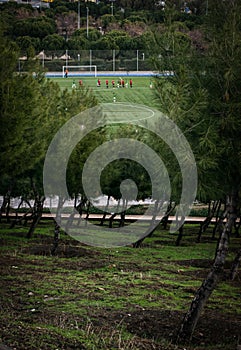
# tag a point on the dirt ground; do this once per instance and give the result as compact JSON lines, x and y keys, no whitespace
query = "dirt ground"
{"x":150,"y":328}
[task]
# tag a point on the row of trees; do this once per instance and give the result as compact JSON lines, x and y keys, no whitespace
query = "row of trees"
{"x":32,"y":110}
{"x":64,"y":26}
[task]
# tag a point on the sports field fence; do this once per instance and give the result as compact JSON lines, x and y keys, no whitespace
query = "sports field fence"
{"x":104,"y":60}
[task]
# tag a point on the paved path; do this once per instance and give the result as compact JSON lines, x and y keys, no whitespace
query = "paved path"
{"x":97,"y":217}
{"x":128,"y":218}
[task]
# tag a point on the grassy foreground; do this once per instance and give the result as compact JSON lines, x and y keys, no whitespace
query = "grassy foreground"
{"x":120,"y":298}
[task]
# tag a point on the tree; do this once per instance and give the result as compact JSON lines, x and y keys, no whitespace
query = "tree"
{"x":138,"y":4}
{"x":223,"y":75}
{"x":32,"y":110}
{"x":24,"y":42}
{"x":204,"y":99}
{"x":53,"y":42}
{"x":34,"y":27}
{"x":66,"y":24}
{"x":106,"y":20}
{"x":78,"y":43}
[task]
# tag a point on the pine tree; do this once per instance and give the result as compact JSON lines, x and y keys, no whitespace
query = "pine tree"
{"x":203,"y":98}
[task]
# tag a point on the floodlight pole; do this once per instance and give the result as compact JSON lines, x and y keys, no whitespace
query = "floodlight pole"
{"x":87,"y":22}
{"x":90,"y":59}
{"x":66,"y":58}
{"x":206,"y":7}
{"x":113,"y":60}
{"x":78,"y":14}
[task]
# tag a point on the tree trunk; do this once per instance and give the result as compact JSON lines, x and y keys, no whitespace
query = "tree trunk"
{"x":180,"y":234}
{"x":203,"y":293}
{"x":79,"y":209}
{"x":157,"y":208}
{"x":87,"y":213}
{"x":216,"y":219}
{"x":204,"y":225}
{"x":105,"y":212}
{"x":123,"y":213}
{"x":18,"y":220}
{"x":235,"y":265}
{"x":237,"y":227}
{"x":5,"y":208}
{"x":56,"y":239}
{"x":57,"y":226}
{"x":37,"y":214}
{"x":111,"y":219}
{"x":153,"y":225}
{"x":165,"y":218}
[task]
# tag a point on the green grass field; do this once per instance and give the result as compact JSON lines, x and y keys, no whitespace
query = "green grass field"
{"x":140,"y":93}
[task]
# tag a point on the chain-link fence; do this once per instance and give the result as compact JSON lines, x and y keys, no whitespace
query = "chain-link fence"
{"x":104,"y":60}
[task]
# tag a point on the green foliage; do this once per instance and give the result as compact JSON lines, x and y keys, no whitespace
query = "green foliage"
{"x":34,"y":27}
{"x":120,"y":170}
{"x":150,"y":41}
{"x":222,"y":80}
{"x":118,"y":39}
{"x":53,"y":42}
{"x":24,"y":21}
{"x":78,"y":42}
{"x":106,"y":43}
{"x":24,"y":42}
{"x":136,"y":18}
{"x":32,"y":110}
{"x":106,"y":20}
{"x":78,"y":159}
{"x":61,"y":9}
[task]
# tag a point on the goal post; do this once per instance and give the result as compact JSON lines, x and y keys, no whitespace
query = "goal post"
{"x":80,"y":70}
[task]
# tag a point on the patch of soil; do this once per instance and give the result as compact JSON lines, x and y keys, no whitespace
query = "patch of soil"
{"x":149,"y":327}
{"x":200,"y":263}
{"x":64,"y":250}
{"x":213,"y":328}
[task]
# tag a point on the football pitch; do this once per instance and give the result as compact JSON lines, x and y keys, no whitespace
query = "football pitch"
{"x":140,"y":92}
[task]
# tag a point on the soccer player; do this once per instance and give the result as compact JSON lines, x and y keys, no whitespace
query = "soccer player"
{"x":73,"y":85}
